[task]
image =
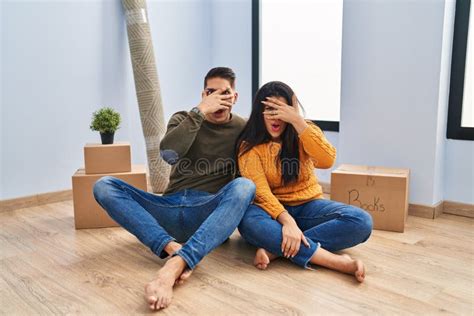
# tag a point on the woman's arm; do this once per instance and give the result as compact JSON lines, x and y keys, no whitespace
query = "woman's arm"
{"x":315,"y":144}
{"x":251,"y":167}
{"x":292,"y":236}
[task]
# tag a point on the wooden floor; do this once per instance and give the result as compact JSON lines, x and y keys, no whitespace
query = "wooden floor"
{"x":47,"y":267}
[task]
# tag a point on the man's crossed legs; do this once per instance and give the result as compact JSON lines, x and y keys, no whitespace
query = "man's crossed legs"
{"x":200,"y":220}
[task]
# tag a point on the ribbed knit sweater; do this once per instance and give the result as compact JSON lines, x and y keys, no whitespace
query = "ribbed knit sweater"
{"x":260,"y":165}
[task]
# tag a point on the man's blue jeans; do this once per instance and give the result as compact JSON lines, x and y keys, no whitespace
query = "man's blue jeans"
{"x":200,"y":219}
{"x":329,"y":224}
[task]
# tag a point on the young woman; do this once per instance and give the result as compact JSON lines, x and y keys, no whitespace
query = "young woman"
{"x":278,"y":150}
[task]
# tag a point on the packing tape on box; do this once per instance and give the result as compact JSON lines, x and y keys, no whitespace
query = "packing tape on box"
{"x":370,"y":170}
{"x":136,"y":16}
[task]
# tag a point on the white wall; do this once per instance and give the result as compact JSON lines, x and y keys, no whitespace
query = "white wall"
{"x":390,"y":88}
{"x":231,"y":45}
{"x":443,"y":99}
{"x":459,"y":171}
{"x":61,"y":60}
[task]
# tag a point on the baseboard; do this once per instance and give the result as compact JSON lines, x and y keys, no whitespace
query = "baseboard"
{"x":427,"y":211}
{"x":35,"y":200}
{"x":461,"y":209}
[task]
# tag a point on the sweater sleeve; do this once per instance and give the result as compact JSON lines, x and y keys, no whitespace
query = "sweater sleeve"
{"x":315,"y":144}
{"x":180,"y":135}
{"x":251,"y":167}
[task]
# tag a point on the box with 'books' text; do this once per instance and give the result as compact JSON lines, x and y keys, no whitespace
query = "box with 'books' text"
{"x":382,"y":192}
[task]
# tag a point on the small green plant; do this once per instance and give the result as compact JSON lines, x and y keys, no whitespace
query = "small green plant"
{"x":105,"y":120}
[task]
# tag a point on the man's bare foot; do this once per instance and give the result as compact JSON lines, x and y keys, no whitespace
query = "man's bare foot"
{"x":355,"y":267}
{"x":184,"y":276}
{"x":172,"y":247}
{"x":263,"y":258}
{"x":158,"y":293}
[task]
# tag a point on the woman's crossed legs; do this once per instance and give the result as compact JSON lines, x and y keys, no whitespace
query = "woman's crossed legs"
{"x":327,"y":225}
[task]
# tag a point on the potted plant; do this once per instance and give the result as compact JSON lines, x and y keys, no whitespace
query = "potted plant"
{"x":106,"y":121}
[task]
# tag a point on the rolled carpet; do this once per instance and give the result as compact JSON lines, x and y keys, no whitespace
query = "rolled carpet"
{"x":148,"y":91}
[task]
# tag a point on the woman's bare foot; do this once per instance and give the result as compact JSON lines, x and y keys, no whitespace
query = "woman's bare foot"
{"x":263,"y":258}
{"x":355,"y":267}
{"x":158,"y":293}
{"x":343,"y":263}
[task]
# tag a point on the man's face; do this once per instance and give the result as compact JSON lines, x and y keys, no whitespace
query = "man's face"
{"x":212,"y":85}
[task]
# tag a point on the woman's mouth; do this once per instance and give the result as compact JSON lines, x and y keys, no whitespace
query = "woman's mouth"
{"x":275,"y":127}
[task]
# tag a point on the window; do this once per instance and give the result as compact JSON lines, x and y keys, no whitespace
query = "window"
{"x":461,"y":109}
{"x":299,"y":42}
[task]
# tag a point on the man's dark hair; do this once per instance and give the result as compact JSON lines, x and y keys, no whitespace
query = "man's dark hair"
{"x":221,"y":72}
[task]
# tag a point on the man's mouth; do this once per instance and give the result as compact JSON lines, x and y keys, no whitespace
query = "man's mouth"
{"x":221,"y":114}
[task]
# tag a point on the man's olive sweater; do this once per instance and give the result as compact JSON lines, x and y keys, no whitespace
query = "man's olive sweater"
{"x":202,"y":153}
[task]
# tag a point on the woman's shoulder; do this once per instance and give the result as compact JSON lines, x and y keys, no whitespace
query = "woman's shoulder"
{"x":254,"y":150}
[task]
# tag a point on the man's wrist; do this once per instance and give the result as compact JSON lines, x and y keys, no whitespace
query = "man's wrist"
{"x":202,"y":107}
{"x":198,"y":111}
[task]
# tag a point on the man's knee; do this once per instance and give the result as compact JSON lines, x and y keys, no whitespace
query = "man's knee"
{"x":243,"y":188}
{"x":102,"y":186}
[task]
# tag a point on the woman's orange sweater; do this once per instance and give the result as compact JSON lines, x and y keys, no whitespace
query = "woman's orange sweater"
{"x":261,"y":165}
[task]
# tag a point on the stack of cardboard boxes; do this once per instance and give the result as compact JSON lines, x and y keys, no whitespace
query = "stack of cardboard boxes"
{"x":101,"y":160}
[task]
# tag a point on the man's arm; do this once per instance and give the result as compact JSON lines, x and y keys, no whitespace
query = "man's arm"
{"x":180,"y":135}
{"x":184,"y":126}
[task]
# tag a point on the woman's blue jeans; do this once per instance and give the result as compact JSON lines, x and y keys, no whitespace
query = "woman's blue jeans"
{"x":329,"y":224}
{"x":200,"y":219}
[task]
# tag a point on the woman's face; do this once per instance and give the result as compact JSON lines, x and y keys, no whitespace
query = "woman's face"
{"x":274,"y":127}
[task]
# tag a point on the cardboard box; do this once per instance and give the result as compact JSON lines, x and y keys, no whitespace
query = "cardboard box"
{"x":87,"y":212}
{"x":99,"y":159}
{"x":383,"y":192}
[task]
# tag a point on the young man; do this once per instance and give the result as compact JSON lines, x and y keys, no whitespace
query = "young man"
{"x":203,"y":203}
